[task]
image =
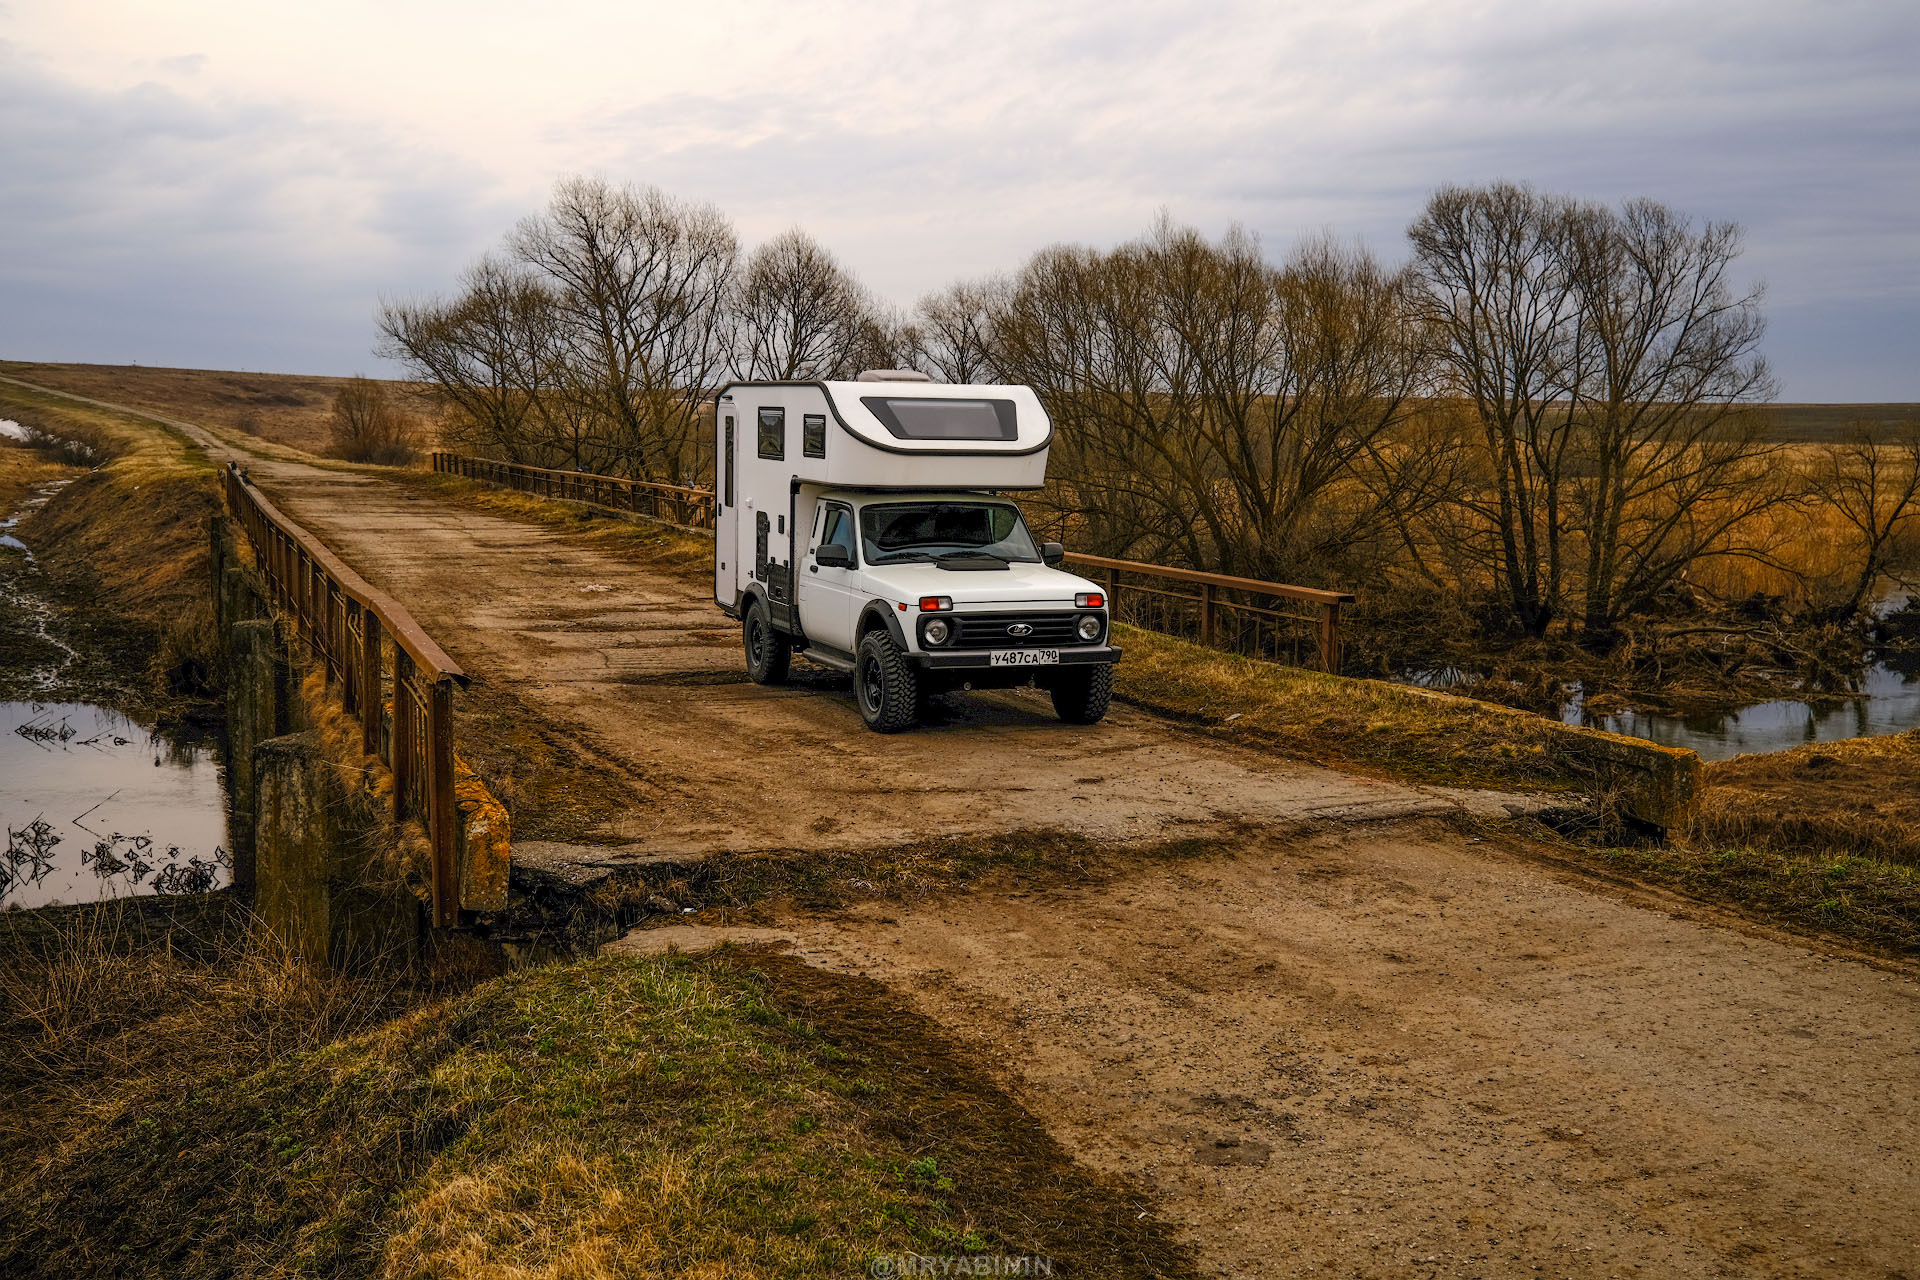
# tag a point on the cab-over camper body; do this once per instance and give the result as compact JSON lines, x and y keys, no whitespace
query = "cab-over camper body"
{"x":849,"y":508}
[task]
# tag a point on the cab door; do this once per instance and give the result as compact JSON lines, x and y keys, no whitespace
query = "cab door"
{"x":828,"y":598}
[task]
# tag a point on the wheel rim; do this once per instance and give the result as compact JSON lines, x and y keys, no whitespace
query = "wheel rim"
{"x":872,"y":684}
{"x":756,"y":640}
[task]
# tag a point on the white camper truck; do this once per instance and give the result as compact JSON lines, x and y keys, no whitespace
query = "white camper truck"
{"x":861,"y":524}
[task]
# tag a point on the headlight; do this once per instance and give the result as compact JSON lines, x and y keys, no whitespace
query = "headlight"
{"x":937,"y":630}
{"x":1089,"y":627}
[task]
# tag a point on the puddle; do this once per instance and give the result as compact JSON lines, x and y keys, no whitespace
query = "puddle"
{"x":93,"y":806}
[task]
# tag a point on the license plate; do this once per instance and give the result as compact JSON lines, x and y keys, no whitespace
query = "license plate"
{"x":1024,"y":658}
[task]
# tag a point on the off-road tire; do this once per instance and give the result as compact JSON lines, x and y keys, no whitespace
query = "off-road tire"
{"x":768,"y":653}
{"x":885,"y":684}
{"x":1081,"y":695}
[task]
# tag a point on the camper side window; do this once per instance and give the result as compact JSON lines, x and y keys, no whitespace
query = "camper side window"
{"x":813,"y":435}
{"x":773,"y":433}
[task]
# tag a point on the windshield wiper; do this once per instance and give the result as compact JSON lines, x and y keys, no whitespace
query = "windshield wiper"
{"x":893,"y":556}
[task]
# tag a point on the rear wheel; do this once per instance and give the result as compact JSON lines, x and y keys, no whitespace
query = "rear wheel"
{"x":1081,"y":695}
{"x":886,"y":685}
{"x":768,"y":653}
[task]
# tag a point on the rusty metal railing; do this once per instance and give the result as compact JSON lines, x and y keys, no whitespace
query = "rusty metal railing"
{"x":1222,"y":611}
{"x":671,"y":503}
{"x":406,"y":717}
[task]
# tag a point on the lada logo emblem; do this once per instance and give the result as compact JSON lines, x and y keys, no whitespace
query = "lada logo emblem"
{"x":1019,"y":629}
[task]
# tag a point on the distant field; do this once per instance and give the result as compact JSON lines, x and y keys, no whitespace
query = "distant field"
{"x":291,"y":409}
{"x":1814,"y":423}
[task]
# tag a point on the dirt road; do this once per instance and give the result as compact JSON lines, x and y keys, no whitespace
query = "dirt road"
{"x":1383,"y":1053}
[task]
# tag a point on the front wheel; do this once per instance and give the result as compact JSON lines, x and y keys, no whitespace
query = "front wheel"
{"x":886,"y":685}
{"x":1081,"y":696}
{"x":768,"y":653}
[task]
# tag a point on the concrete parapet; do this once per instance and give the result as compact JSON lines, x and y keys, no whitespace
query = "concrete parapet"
{"x":256,"y":711}
{"x":1659,"y":786}
{"x":486,"y":838}
{"x":314,"y":838}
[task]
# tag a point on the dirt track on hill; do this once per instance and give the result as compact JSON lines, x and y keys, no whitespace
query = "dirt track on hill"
{"x":1372,"y":1051}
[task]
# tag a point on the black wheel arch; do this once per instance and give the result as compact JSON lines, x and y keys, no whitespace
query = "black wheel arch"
{"x":880,"y":613}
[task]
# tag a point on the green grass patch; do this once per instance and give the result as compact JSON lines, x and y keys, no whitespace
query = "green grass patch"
{"x":1871,"y":903}
{"x":732,"y":1115}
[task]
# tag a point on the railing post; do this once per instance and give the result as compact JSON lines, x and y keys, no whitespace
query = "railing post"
{"x":402,"y":743}
{"x":1330,"y":638}
{"x":440,"y":813}
{"x":1206,"y":613}
{"x":350,"y":654}
{"x":370,"y":682}
{"x":1113,"y":594}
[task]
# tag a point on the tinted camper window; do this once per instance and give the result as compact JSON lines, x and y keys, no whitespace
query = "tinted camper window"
{"x":813,"y":435}
{"x":930,"y":419}
{"x":773,"y":433}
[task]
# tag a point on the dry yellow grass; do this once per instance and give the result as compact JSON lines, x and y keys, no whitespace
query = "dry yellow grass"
{"x":289,"y":409}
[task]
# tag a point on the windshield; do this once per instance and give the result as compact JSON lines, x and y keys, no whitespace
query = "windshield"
{"x":898,"y":531}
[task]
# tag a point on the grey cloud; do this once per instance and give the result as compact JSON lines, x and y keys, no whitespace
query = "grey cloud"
{"x":143,"y":225}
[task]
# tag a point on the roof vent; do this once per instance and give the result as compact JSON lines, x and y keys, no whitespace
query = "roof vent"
{"x":892,"y":375}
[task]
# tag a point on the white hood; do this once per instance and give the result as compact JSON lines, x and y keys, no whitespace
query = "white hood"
{"x":1017,"y":584}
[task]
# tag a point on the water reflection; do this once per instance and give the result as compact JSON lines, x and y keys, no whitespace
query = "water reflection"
{"x":1888,"y":703}
{"x":93,"y":806}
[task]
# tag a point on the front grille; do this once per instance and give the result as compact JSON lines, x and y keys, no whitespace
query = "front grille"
{"x":989,"y":631}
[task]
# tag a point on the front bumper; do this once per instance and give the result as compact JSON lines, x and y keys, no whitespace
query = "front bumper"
{"x":982,"y":660}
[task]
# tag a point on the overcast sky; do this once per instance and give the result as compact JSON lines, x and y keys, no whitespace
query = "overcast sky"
{"x":235,"y":185}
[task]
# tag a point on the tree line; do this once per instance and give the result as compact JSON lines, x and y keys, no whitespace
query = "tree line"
{"x":1551,"y":415}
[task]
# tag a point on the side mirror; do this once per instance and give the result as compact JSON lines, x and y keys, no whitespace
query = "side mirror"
{"x":1053,"y":553}
{"x":833,"y":556}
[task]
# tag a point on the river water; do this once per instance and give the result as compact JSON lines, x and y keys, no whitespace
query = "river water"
{"x":1888,"y":703}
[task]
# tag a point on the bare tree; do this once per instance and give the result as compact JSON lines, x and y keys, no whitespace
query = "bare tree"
{"x":803,"y":315}
{"x":367,"y":426}
{"x":1611,"y":371}
{"x":642,"y":283}
{"x":1498,"y":302}
{"x":1871,"y":481}
{"x":951,"y":334}
{"x":497,"y":356}
{"x":1664,"y":375}
{"x":1212,"y":407}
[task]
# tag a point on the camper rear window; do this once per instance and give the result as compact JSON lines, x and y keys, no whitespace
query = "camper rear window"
{"x":930,"y":419}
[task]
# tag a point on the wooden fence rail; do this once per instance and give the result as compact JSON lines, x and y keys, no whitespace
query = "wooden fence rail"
{"x":1298,"y":625}
{"x":404,"y":706}
{"x":670,"y":503}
